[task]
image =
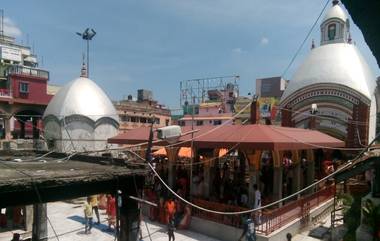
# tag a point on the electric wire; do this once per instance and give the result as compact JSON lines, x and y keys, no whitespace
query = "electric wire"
{"x":344,"y":167}
{"x":306,"y":38}
{"x":207,"y":132}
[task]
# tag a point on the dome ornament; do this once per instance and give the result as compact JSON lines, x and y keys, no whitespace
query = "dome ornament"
{"x":349,"y":40}
{"x":335,"y":2}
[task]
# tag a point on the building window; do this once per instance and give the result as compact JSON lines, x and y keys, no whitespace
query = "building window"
{"x":157,"y":121}
{"x":24,"y":87}
{"x":217,"y":122}
{"x":167,"y":122}
{"x":123,"y":117}
{"x":200,"y":123}
{"x":331,"y":32}
{"x":133,"y":119}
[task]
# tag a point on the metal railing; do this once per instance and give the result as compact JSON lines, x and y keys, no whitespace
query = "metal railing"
{"x":230,"y":220}
{"x":22,"y":70}
{"x":270,"y":220}
{"x":5,"y":92}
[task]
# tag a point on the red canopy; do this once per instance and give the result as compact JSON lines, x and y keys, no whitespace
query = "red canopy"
{"x":264,"y":137}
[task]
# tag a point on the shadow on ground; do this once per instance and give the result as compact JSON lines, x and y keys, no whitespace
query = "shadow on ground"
{"x":102,"y":227}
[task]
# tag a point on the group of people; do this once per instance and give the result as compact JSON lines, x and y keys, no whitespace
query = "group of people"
{"x":93,"y":204}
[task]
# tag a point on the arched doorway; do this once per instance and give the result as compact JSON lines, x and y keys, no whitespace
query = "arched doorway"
{"x":27,"y":124}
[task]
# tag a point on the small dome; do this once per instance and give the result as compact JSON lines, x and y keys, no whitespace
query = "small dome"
{"x":81,"y":97}
{"x":335,"y":11}
{"x":338,"y":63}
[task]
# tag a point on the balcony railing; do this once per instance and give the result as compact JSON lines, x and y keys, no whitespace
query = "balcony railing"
{"x":4,"y":93}
{"x":22,"y":70}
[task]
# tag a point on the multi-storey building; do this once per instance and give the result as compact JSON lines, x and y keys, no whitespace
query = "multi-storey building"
{"x":141,"y":112}
{"x":23,"y":90}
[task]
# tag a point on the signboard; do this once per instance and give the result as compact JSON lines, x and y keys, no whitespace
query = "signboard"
{"x":269,"y":109}
{"x":12,"y":54}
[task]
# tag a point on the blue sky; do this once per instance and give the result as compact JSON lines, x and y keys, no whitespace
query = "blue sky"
{"x":157,"y":43}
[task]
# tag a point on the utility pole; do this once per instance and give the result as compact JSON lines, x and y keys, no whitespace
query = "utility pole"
{"x":192,"y":146}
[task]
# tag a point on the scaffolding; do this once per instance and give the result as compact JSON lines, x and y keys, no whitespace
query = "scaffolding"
{"x":196,"y":91}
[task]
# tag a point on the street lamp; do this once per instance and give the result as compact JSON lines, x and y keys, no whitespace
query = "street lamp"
{"x":87,"y":35}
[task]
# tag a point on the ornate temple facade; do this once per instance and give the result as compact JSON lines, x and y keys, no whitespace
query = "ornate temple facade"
{"x":334,"y":89}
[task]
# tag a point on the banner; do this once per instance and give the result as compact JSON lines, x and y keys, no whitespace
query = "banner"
{"x":269,"y":110}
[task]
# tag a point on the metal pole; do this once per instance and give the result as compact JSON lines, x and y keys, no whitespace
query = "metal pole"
{"x":88,"y":58}
{"x":192,"y":148}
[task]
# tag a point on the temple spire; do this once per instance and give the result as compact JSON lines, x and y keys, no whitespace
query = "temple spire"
{"x":83,"y":71}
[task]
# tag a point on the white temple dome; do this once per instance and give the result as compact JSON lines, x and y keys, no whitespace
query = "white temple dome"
{"x":335,"y":12}
{"x":83,"y":97}
{"x":338,"y":63}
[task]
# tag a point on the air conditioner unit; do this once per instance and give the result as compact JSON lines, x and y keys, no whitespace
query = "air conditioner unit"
{"x":169,"y":132}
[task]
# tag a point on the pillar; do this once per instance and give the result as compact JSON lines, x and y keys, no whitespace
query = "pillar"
{"x":129,"y":214}
{"x":254,"y":165}
{"x":28,"y":218}
{"x":277,"y":176}
{"x":36,"y":131}
{"x":252,"y":180}
{"x":39,"y":232}
{"x":22,"y":130}
{"x":310,"y":173}
{"x":207,"y":180}
{"x":7,"y":128}
{"x":172,"y":154}
{"x":195,"y":158}
{"x":296,"y":172}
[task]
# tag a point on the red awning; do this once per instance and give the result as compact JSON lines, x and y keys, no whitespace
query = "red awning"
{"x":264,"y":137}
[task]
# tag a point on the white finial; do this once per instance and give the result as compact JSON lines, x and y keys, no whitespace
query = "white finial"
{"x":83,"y":71}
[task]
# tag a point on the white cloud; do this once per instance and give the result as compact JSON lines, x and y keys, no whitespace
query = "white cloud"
{"x":237,"y":51}
{"x":10,"y":28}
{"x":264,"y":41}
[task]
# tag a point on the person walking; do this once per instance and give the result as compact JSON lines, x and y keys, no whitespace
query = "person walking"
{"x":88,"y":216}
{"x":94,"y":204}
{"x":111,"y":211}
{"x":170,"y":209}
{"x":257,"y":203}
{"x":249,"y":231}
{"x":171,"y":228}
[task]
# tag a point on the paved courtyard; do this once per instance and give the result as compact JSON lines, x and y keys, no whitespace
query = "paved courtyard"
{"x":67,"y":220}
